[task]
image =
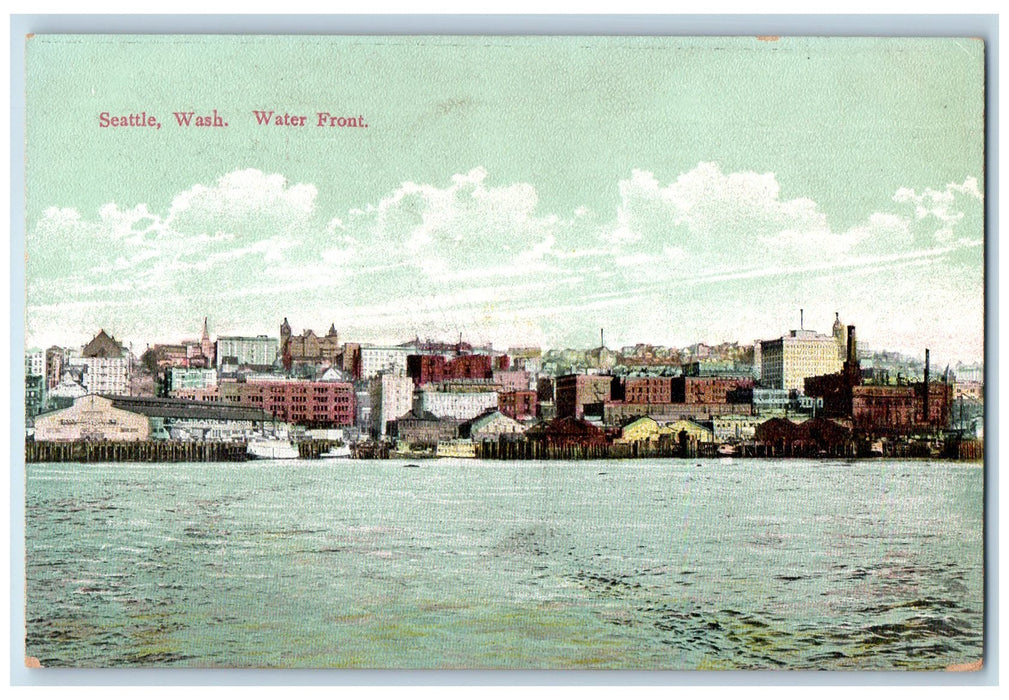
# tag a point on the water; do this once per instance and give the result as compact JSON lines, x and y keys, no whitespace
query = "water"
{"x":700,"y":564}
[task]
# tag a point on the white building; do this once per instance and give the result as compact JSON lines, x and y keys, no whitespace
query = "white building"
{"x":92,"y":418}
{"x":456,"y":405}
{"x":191,"y":378}
{"x":104,"y":375}
{"x":391,"y":397}
{"x":105,"y":366}
{"x":235,"y":351}
{"x":35,"y":363}
{"x":391,"y":360}
{"x":787,"y":361}
{"x":740,"y":427}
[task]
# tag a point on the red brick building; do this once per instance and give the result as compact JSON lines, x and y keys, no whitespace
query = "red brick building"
{"x":648,"y":390}
{"x":520,"y":405}
{"x":711,"y":390}
{"x":567,"y":432}
{"x":317,"y":404}
{"x":900,"y":410}
{"x":425,"y":369}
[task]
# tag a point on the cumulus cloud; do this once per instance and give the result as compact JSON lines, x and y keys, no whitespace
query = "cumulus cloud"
{"x":472,"y":252}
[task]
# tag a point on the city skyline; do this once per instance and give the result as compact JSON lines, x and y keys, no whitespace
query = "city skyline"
{"x":707,"y":198}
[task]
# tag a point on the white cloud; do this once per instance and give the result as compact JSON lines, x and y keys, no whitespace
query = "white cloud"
{"x":252,"y":246}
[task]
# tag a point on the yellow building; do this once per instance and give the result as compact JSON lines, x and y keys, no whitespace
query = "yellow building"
{"x":694,"y":430}
{"x":789,"y":360}
{"x":646,"y":429}
{"x":643,"y":429}
{"x":92,"y":417}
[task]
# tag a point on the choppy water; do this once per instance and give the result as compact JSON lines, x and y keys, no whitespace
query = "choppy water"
{"x":706,"y":564}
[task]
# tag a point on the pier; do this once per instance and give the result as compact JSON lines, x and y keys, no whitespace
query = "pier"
{"x":138,"y":451}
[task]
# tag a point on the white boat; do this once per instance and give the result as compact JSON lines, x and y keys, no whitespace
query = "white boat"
{"x":271,"y":448}
{"x":341,"y":452}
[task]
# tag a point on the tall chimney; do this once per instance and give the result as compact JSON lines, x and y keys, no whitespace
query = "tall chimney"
{"x":926,"y":392}
{"x":801,"y":323}
{"x":852,"y":347}
{"x":601,"y":343}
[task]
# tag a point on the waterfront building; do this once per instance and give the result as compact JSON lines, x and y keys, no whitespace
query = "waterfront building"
{"x":423,"y":429}
{"x":734,"y":427}
{"x":491,"y":425}
{"x":177,"y":419}
{"x":645,"y":429}
{"x":316,"y":404}
{"x":391,"y":397}
{"x":92,"y":417}
{"x":567,"y":432}
{"x":787,"y":361}
{"x":901,"y":410}
{"x":816,"y":436}
{"x":237,"y":351}
{"x":106,"y":366}
{"x":691,"y":429}
{"x":574,"y":391}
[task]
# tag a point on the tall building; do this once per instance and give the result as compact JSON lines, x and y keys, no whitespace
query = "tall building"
{"x":35,"y":363}
{"x":106,"y":366}
{"x":391,"y":397}
{"x":787,"y":361}
{"x":375,"y":359}
{"x":235,"y":351}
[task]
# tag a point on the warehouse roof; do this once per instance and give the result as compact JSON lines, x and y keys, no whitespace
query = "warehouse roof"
{"x":183,"y":408}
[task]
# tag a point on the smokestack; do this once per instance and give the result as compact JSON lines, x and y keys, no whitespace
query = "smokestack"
{"x":601,"y":343}
{"x":801,"y":322}
{"x":852,"y":345}
{"x":926,"y":392}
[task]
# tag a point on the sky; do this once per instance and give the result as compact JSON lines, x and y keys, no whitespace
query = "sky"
{"x":515,"y":190}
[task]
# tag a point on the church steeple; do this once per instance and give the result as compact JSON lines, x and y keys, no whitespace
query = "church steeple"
{"x":206,"y":347}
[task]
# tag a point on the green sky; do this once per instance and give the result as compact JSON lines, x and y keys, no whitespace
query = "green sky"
{"x":515,"y":189}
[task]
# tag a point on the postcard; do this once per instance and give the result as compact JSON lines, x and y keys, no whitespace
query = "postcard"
{"x":464,"y":352}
